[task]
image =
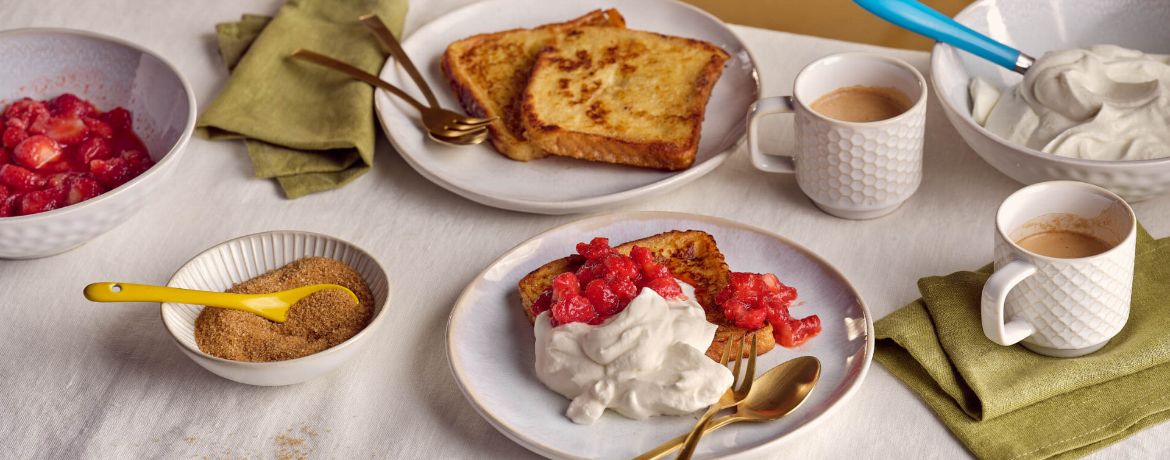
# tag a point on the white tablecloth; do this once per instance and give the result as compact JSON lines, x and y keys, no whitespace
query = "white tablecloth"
{"x":105,"y":380}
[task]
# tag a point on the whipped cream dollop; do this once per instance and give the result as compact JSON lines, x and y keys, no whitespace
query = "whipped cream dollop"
{"x":646,"y":360}
{"x":1104,"y":102}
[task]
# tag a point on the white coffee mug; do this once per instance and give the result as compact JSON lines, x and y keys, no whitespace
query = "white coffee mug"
{"x":1056,"y":306}
{"x":849,"y":169}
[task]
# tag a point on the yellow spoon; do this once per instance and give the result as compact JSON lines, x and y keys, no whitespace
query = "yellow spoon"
{"x":272,"y":306}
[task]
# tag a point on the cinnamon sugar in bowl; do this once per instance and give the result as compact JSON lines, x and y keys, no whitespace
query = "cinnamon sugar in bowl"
{"x":237,"y":261}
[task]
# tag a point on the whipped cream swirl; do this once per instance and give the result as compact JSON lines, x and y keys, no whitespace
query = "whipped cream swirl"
{"x":646,"y":360}
{"x":1101,"y":103}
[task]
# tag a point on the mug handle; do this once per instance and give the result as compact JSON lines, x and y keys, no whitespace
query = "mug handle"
{"x":994,"y":293}
{"x":766,"y":161}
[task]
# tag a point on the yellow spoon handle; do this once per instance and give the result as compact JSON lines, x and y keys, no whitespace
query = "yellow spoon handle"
{"x":128,"y":292}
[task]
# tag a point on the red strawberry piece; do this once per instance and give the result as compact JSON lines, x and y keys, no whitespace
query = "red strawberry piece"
{"x":118,"y":118}
{"x":54,"y":167}
{"x":5,"y":158}
{"x":93,"y":148}
{"x":604,"y":300}
{"x":69,"y":105}
{"x":137,"y":161}
{"x":595,"y":248}
{"x":542,"y":303}
{"x":13,"y":134}
{"x":25,"y":110}
{"x":619,"y":266}
{"x":36,"y":151}
{"x":98,"y":127}
{"x":624,"y":288}
{"x":67,"y":131}
{"x":565,"y":285}
{"x":793,"y":333}
{"x":668,"y":288}
{"x":8,"y":205}
{"x":574,"y":309}
{"x":41,"y":201}
{"x":19,"y":179}
{"x":110,"y":173}
{"x":770,"y":283}
{"x":81,"y":189}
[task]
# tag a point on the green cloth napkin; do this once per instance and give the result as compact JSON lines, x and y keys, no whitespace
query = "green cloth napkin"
{"x":1010,"y":403}
{"x":310,"y":128}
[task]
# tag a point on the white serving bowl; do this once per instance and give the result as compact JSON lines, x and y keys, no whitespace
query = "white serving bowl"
{"x":246,"y":257}
{"x":1035,"y":27}
{"x":43,"y":63}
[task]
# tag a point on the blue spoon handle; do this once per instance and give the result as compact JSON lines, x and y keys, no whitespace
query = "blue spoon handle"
{"x":920,"y":19}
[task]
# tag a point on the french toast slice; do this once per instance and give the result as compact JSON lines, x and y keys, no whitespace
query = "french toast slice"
{"x":691,"y":256}
{"x":488,"y":73}
{"x":618,"y":95}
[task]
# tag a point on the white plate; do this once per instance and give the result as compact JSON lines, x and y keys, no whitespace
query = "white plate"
{"x":491,"y":347}
{"x":559,"y":185}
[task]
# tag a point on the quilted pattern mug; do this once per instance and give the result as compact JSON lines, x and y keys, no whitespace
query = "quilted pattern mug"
{"x":1063,"y":307}
{"x":852,"y":170}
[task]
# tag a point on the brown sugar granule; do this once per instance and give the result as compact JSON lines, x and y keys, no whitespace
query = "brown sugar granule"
{"x":319,"y":321}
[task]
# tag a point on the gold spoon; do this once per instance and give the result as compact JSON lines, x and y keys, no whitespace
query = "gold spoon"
{"x":773,"y":395}
{"x":272,"y":306}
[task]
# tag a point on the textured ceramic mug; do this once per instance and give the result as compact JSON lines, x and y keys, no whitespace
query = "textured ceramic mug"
{"x":850,"y":170}
{"x":1054,"y":306}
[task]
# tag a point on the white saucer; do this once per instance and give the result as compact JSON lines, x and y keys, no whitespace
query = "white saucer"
{"x":491,"y":347}
{"x":559,"y":185}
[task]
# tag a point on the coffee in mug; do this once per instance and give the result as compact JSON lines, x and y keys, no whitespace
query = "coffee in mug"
{"x":1063,"y":244}
{"x":862,"y":104}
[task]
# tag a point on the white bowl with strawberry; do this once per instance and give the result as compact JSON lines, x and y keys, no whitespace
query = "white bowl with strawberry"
{"x":89,"y":126}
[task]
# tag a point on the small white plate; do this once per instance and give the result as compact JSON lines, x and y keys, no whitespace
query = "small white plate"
{"x":559,"y":185}
{"x":491,"y":347}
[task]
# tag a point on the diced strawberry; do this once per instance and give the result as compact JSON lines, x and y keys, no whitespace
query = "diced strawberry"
{"x":54,"y":167}
{"x":118,"y":118}
{"x":795,"y":332}
{"x":36,"y":151}
{"x":19,"y":179}
{"x":13,"y":134}
{"x":41,"y":201}
{"x":5,"y":158}
{"x":98,"y":127}
{"x":110,"y":173}
{"x":26,"y":110}
{"x":666,"y":287}
{"x":625,"y":289}
{"x":8,"y":205}
{"x":595,"y":248}
{"x":618,"y":266}
{"x":542,"y":303}
{"x":565,"y":285}
{"x":572,"y":310}
{"x":67,"y":131}
{"x":770,"y":283}
{"x":81,"y":189}
{"x":136,"y":161}
{"x":68,"y":105}
{"x":93,"y":148}
{"x":604,"y":300}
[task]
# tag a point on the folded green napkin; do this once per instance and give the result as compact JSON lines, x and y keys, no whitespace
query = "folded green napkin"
{"x":1010,"y":403}
{"x":309,"y":127}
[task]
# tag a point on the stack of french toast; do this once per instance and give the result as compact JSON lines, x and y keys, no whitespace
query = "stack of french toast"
{"x":590,"y":89}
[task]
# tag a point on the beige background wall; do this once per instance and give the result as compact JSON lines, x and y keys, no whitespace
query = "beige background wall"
{"x":840,"y":19}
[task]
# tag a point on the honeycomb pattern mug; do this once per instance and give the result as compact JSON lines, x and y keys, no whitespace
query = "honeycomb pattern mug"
{"x":852,"y":170}
{"x":1062,"y":307}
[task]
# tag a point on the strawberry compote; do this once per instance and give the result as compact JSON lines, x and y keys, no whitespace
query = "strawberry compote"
{"x":605,"y":284}
{"x":750,"y":300}
{"x":64,"y":151}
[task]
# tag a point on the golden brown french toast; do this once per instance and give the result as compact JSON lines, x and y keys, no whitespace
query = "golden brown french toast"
{"x":691,"y":256}
{"x":618,"y":95}
{"x":488,"y":73}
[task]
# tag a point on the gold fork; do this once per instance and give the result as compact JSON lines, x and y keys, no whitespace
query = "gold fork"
{"x":441,"y":123}
{"x":731,"y":398}
{"x":387,"y":39}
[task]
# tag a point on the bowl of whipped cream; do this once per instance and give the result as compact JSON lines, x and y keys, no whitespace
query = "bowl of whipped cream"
{"x":1095,"y":107}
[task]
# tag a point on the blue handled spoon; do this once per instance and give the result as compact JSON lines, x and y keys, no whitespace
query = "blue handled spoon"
{"x":921,"y":19}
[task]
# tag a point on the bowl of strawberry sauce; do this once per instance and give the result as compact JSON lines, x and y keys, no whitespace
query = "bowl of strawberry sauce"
{"x":90,"y":126}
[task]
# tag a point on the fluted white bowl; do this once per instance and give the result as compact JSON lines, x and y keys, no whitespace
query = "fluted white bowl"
{"x":1035,"y":27}
{"x":43,"y":63}
{"x":246,"y":257}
